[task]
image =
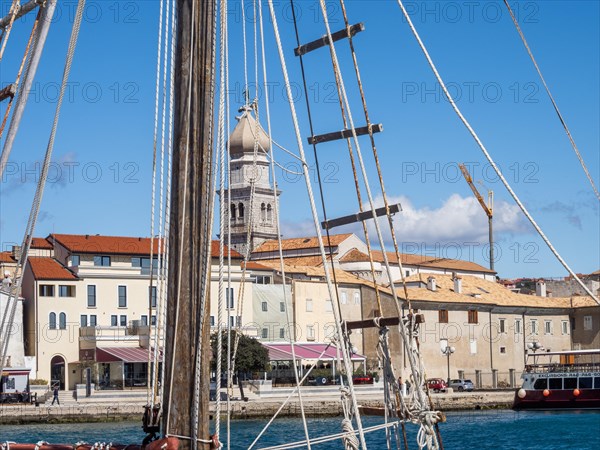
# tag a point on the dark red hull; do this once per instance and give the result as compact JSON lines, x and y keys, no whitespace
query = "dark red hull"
{"x":558,"y":399}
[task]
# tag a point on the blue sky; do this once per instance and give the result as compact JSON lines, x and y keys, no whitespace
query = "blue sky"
{"x":101,"y":178}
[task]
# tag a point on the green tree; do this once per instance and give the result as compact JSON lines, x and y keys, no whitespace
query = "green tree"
{"x":251,"y":355}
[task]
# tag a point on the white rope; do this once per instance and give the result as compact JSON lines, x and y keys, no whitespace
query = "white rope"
{"x":25,"y":87}
{"x":558,"y":113}
{"x":161,"y":312}
{"x":150,"y":394}
{"x":328,"y":438}
{"x":221,"y":148}
{"x":22,"y":263}
{"x":6,"y":31}
{"x":488,"y":156}
{"x":336,"y":311}
{"x":286,"y":302}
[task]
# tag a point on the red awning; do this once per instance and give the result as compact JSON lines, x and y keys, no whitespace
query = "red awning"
{"x":124,"y":354}
{"x":283,"y":352}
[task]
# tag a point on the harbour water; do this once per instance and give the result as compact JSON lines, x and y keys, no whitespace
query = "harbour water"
{"x":465,"y":430}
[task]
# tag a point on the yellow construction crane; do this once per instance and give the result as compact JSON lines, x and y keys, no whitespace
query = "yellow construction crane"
{"x":487,"y":208}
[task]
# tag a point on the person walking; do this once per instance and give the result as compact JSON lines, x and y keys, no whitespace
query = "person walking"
{"x":55,"y":399}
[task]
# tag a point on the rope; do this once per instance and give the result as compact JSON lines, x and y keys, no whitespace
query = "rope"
{"x":562,"y":121}
{"x":223,"y":58}
{"x":289,"y":319}
{"x":149,"y":397}
{"x":6,"y":31}
{"x":25,"y":88}
{"x":22,"y":263}
{"x":489,"y":158}
{"x":336,"y":311}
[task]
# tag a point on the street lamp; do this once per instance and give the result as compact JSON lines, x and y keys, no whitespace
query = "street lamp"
{"x":534,"y":346}
{"x":448,"y":351}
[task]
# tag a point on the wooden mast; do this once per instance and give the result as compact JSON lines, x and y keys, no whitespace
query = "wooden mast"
{"x":190,"y":234}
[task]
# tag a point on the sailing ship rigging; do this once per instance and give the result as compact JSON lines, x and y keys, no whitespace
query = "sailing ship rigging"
{"x":192,"y":82}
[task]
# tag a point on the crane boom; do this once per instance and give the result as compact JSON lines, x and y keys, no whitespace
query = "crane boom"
{"x":469,"y":180}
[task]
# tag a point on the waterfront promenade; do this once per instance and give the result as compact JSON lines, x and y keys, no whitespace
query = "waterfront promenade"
{"x":110,"y":406}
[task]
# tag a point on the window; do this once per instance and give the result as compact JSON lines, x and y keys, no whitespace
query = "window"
{"x":263,"y":212}
{"x":407,"y":273}
{"x":281,"y":306}
{"x":264,"y":306}
{"x":232,"y":208}
{"x":518,"y":329}
{"x":473,"y":316}
{"x":343,"y":298}
{"x":212,"y":321}
{"x":144,"y":263}
{"x":310,"y":332}
{"x":269,"y":213}
{"x":153,"y":320}
{"x":502,"y":325}
{"x":555,"y":383}
{"x":328,"y":306}
{"x":548,"y":327}
{"x":443,"y":316}
{"x":356,"y":298}
{"x":232,"y":321}
{"x":66,"y":291}
{"x":534,"y":326}
{"x":309,"y":305}
{"x":241,"y":210}
{"x":62,"y":321}
{"x":265,"y":333}
{"x":83,"y":320}
{"x":93,"y":320}
{"x":541,"y":383}
{"x":282,"y":333}
{"x":230,"y":298}
{"x":238,"y":321}
{"x":587,"y":323}
{"x":123,"y":321}
{"x":570,"y":383}
{"x":122,"y":296}
{"x":565,"y":327}
{"x":75,"y":260}
{"x":152,"y":294}
{"x":144,"y":320}
{"x":46,"y":290}
{"x":114,"y":321}
{"x":596,"y":382}
{"x":586,"y":382}
{"x":91,"y":296}
{"x":103,"y":261}
{"x":502,"y":349}
{"x":52,"y":321}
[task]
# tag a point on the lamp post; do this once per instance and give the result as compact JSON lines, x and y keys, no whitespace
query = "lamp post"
{"x":448,"y":351}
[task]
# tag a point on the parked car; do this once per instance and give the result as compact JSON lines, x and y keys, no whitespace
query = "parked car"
{"x":436,"y":384}
{"x":461,"y":385}
{"x":362,"y":379}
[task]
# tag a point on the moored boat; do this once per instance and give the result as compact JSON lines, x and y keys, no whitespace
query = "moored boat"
{"x":560,"y":380}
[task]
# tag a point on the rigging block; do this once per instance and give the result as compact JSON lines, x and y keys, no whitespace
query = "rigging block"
{"x":8,"y":92}
{"x":359,"y":217}
{"x":323,"y":41}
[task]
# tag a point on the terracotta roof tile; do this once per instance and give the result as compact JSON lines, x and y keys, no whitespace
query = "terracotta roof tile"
{"x":6,"y":257}
{"x":49,"y":269}
{"x":354,"y":255}
{"x":253,"y":265}
{"x":118,"y":245}
{"x":483,"y":292}
{"x":428,"y":261}
{"x":41,"y":243}
{"x":299,"y":243}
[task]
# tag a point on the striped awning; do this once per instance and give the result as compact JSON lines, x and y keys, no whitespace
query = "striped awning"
{"x":124,"y":354}
{"x":313,"y":351}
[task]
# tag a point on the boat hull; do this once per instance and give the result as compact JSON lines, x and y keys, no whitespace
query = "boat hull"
{"x":557,"y":399}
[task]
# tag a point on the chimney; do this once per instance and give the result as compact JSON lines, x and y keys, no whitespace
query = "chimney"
{"x":16,"y":252}
{"x":431,"y":285}
{"x":540,"y":288}
{"x":457,"y":285}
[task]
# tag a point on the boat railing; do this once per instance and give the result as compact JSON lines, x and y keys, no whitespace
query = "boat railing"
{"x":556,"y":367}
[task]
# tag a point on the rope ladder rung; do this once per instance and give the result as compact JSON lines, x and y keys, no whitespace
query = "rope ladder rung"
{"x":323,"y":41}
{"x":344,"y":134}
